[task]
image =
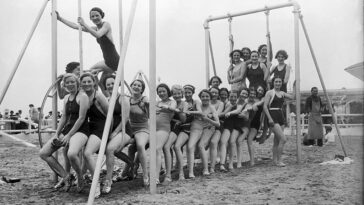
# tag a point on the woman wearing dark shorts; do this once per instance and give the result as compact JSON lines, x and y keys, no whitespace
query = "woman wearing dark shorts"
{"x":96,"y":117}
{"x":72,"y":132}
{"x":273,"y":103}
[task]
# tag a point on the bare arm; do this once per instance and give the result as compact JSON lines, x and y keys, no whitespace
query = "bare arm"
{"x":267,"y":98}
{"x":96,"y":33}
{"x":288,"y":72}
{"x":62,"y":122}
{"x":198,"y":109}
{"x":293,"y":96}
{"x":236,"y":111}
{"x":266,"y":71}
{"x":126,"y":106}
{"x":229,"y":73}
{"x":102,"y":101}
{"x":69,"y":23}
{"x":215,"y":121}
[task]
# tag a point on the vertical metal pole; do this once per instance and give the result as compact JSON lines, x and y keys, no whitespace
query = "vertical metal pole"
{"x":212,"y":55}
{"x":105,"y":134}
{"x":323,"y":85}
{"x":206,"y":26}
{"x":80,"y":37}
{"x":25,"y":46}
{"x":152,"y":95}
{"x":269,"y":49}
{"x":298,"y":82}
{"x":54,"y":71}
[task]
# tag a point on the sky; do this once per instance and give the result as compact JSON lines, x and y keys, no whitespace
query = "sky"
{"x":335,"y":28}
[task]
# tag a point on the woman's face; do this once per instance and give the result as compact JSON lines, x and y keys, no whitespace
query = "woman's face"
{"x":277,"y":83}
{"x":87,"y":83}
{"x":223,"y":96}
{"x":252,"y":94}
{"x":244,"y":94}
{"x":233,"y":98}
{"x":109,"y":83}
{"x":246,"y":54}
{"x":205,"y":98}
{"x":254,"y":56}
{"x":280,"y":58}
{"x":215,"y":83}
{"x":137,"y":87}
{"x":95,"y":17}
{"x":177,"y":95}
{"x":260,"y":92}
{"x":264,"y":51}
{"x":215,"y":93}
{"x":70,"y":84}
{"x":188,"y":94}
{"x":236,"y":56}
{"x":162,"y":93}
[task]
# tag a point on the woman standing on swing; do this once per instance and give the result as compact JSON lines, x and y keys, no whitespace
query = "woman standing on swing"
{"x":236,"y":71}
{"x":103,"y":34}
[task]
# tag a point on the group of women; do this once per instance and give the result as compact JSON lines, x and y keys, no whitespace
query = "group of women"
{"x":217,"y":124}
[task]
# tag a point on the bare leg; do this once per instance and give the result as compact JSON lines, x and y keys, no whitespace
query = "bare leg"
{"x":142,"y":139}
{"x":167,"y":153}
{"x":181,"y":140}
{"x":93,"y":144}
{"x":162,"y":137}
{"x":232,"y":145}
{"x":252,"y":133}
{"x":46,"y":154}
{"x":203,"y":143}
{"x":223,"y":146}
{"x":213,"y":149}
{"x":191,"y":146}
{"x":77,"y":142}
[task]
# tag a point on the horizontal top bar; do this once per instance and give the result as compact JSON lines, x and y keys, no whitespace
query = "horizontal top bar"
{"x":266,"y":8}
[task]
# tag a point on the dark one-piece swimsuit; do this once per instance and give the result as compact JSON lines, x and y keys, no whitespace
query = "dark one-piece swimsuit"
{"x":96,"y":120}
{"x":109,"y":52}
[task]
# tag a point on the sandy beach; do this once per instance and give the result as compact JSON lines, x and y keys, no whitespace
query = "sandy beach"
{"x":305,"y":183}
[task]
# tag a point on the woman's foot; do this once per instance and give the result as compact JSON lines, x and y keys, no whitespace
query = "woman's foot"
{"x":181,"y":176}
{"x":205,"y":173}
{"x":80,"y":184}
{"x":222,"y":168}
{"x":106,"y":187}
{"x":231,"y":167}
{"x":68,"y":182}
{"x":98,"y":190}
{"x":212,"y":170}
{"x":60,"y":184}
{"x":167,"y":180}
{"x":280,"y":164}
{"x":191,"y":176}
{"x":238,"y":165}
{"x":146,"y":181}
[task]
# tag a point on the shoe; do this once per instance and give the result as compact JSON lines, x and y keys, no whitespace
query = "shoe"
{"x":98,"y":190}
{"x":80,"y":185}
{"x":212,"y":171}
{"x":167,"y":180}
{"x":106,"y":189}
{"x":191,"y":176}
{"x":280,"y":164}
{"x":238,"y":165}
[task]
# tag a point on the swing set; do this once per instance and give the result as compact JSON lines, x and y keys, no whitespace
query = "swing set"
{"x":297,"y":18}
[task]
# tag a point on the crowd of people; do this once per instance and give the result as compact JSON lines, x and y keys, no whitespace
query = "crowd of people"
{"x":215,"y":124}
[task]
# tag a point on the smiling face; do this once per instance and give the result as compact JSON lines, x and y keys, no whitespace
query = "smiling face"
{"x":280,"y":58}
{"x":254,"y":57}
{"x":215,"y":93}
{"x":87,"y":84}
{"x":188,"y":94}
{"x":264,"y":51}
{"x":236,"y":57}
{"x":205,"y":98}
{"x":70,"y":84}
{"x":223,"y":95}
{"x":233,"y":98}
{"x":162,"y":93}
{"x":177,"y":94}
{"x":243,"y":94}
{"x":277,"y":83}
{"x":246,"y":54}
{"x":260,"y":92}
{"x":136,"y":87}
{"x":215,"y":83}
{"x":95,"y":17}
{"x":109,"y":84}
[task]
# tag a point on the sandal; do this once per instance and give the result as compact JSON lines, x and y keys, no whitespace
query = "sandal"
{"x":60,"y":184}
{"x":222,"y":168}
{"x":106,"y":189}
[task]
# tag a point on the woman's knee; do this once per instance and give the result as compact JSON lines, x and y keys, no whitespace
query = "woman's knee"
{"x":72,"y":154}
{"x":43,"y":154}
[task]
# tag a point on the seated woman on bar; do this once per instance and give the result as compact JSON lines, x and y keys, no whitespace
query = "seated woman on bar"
{"x":72,"y":133}
{"x":103,"y":34}
{"x":72,"y":67}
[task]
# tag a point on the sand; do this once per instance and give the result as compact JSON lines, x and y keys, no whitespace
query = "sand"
{"x":305,"y":183}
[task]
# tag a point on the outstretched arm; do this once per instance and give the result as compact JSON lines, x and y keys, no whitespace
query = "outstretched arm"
{"x":96,"y":33}
{"x":68,"y":23}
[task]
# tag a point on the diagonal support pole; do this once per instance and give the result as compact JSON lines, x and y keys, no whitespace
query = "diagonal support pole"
{"x":20,"y":57}
{"x":323,"y":85}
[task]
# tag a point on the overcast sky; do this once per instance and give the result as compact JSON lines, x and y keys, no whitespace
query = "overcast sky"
{"x":335,"y":28}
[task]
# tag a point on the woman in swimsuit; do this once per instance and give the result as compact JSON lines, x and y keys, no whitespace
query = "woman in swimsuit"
{"x":255,"y":123}
{"x":219,"y":107}
{"x":117,"y":141}
{"x":139,"y":121}
{"x":202,"y":128}
{"x":263,"y":58}
{"x":257,"y":72}
{"x":103,"y":34}
{"x":215,"y":82}
{"x":246,"y":52}
{"x":182,"y":139}
{"x":236,"y":71}
{"x":178,"y":118}
{"x":72,"y":133}
{"x":96,"y":116}
{"x":281,"y":70}
{"x":273,"y":104}
{"x":237,"y":124}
